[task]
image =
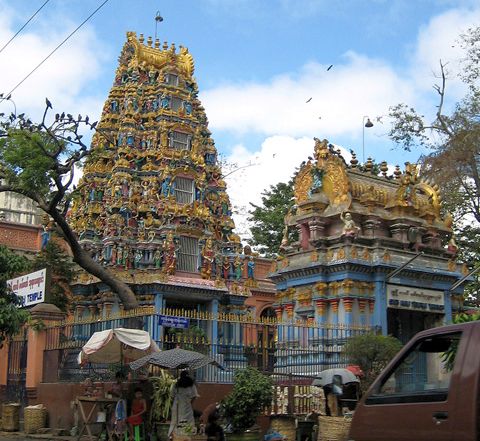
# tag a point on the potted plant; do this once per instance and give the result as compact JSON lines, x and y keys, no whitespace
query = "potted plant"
{"x":252,"y":392}
{"x":161,"y":404}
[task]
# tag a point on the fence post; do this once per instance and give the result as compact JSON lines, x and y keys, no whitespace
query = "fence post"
{"x":43,"y":312}
{"x":3,"y":368}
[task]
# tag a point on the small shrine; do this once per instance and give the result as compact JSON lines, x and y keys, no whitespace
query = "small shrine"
{"x":152,"y":204}
{"x":356,"y":225}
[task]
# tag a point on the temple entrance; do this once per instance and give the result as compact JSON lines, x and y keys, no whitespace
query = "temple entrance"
{"x":404,"y":324}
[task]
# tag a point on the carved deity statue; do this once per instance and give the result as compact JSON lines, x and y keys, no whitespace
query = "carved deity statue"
{"x":251,"y":268}
{"x":226,"y":268}
{"x":350,"y":229}
{"x":452,"y":245}
{"x":157,"y":258}
{"x":207,"y":259}
{"x":238,"y":266}
{"x":170,"y":254}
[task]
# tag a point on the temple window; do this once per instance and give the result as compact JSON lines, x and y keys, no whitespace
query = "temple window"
{"x":184,"y":190}
{"x":179,"y":140}
{"x":188,"y":254}
{"x":171,"y":79}
{"x":176,"y":103}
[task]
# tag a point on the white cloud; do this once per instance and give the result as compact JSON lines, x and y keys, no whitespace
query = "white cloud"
{"x":63,"y":78}
{"x":274,"y":162}
{"x":340,"y":97}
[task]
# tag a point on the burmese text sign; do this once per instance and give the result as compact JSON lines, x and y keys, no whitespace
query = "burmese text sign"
{"x":30,"y":288}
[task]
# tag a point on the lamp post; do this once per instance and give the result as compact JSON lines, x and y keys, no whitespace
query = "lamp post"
{"x":158,"y":19}
{"x":367,"y":124}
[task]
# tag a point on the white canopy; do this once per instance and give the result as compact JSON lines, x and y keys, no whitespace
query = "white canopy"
{"x":117,"y":345}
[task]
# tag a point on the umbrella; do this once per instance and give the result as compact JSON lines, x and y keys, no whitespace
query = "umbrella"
{"x":117,"y":345}
{"x":175,"y":359}
{"x":326,"y":377}
{"x":355,"y":369}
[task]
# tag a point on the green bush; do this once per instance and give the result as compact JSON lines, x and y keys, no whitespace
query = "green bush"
{"x":372,"y":353}
{"x":252,"y":392}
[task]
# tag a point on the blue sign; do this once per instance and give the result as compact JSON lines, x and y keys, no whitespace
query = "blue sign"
{"x":171,"y":321}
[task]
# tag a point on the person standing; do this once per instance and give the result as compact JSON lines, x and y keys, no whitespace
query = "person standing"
{"x":184,"y":394}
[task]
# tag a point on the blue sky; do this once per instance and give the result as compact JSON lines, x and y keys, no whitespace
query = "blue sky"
{"x":257,"y":62}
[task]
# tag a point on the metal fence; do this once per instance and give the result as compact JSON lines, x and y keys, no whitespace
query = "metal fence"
{"x":235,"y":341}
{"x":17,"y":369}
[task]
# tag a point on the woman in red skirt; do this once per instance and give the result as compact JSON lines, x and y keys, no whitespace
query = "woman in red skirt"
{"x":139,"y":407}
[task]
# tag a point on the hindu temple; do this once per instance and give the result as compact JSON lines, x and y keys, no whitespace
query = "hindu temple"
{"x":152,"y":204}
{"x":357,"y":224}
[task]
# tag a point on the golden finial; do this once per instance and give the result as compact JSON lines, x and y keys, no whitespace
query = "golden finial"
{"x":157,"y":43}
{"x":397,"y":173}
{"x":384,"y":168}
{"x":149,"y":41}
{"x":369,"y":165}
{"x":141,"y":39}
{"x":172,"y":47}
{"x":354,"y":160}
{"x":165,"y":46}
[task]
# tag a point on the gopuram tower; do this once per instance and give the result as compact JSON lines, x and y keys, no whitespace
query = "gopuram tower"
{"x":152,"y":205}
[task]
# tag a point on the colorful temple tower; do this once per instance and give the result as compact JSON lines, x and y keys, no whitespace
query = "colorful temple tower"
{"x":152,"y":205}
{"x":356,"y":226}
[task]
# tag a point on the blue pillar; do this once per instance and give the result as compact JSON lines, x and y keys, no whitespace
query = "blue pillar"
{"x":157,"y":330}
{"x":348,"y":314}
{"x":380,"y":311}
{"x":213,"y":331}
{"x":448,"y":307}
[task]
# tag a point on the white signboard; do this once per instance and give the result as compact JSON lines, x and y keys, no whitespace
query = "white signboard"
{"x":415,"y":299}
{"x":30,"y":288}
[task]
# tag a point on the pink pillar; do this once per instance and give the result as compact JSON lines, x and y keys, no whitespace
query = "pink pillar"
{"x":36,"y":345}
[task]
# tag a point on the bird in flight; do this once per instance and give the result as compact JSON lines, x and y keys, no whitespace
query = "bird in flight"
{"x":310,"y":99}
{"x":329,"y":67}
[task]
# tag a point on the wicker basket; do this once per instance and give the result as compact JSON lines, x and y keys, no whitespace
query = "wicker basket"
{"x":34,"y":418}
{"x":11,"y":417}
{"x":333,"y":428}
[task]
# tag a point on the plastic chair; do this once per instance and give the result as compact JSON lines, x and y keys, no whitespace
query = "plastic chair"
{"x":138,"y":433}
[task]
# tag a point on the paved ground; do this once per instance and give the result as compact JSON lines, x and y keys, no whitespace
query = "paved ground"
{"x":6,"y":436}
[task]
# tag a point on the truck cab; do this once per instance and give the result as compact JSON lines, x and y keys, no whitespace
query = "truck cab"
{"x":429,"y":391}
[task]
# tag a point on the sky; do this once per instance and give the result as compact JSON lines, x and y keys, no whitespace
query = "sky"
{"x":257,"y":62}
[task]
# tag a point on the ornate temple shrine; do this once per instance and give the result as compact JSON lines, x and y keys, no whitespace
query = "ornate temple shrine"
{"x":356,"y":226}
{"x":152,"y":205}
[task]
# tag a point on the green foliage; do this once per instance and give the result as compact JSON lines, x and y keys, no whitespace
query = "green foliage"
{"x":24,"y":161}
{"x":252,"y":392}
{"x":162,"y":397}
{"x":465,"y":318}
{"x":11,"y":317}
{"x":268,"y":219}
{"x":372,"y":353}
{"x":61,"y":269}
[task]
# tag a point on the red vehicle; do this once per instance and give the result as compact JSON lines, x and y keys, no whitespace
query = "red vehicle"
{"x":428,"y":392}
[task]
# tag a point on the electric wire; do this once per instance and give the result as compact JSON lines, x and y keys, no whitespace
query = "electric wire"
{"x":54,"y":50}
{"x":23,"y":27}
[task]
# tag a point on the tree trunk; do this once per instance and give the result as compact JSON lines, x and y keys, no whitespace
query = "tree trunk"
{"x":82,"y":258}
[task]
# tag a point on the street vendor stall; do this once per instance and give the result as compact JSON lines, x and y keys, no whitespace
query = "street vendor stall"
{"x":120,"y":345}
{"x":92,"y":413}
